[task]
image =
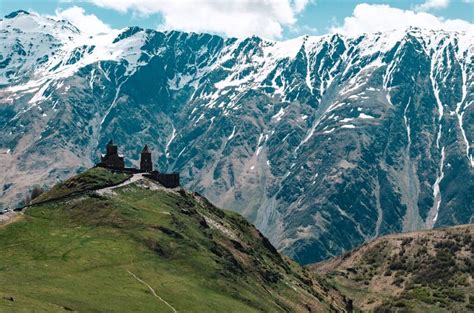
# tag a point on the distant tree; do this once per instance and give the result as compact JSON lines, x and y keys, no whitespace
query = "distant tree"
{"x":27,"y":199}
{"x":36,"y":192}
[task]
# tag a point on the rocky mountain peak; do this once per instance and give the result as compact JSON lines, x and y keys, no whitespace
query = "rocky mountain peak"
{"x":323,"y":142}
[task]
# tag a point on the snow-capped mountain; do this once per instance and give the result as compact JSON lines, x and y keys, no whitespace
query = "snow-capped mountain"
{"x":323,"y":142}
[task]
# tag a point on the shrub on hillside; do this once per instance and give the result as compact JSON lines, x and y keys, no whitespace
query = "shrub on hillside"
{"x":35,"y":193}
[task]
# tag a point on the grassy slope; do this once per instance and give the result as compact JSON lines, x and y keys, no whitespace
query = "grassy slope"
{"x":80,"y":254}
{"x":94,"y":178}
{"x":428,"y":271}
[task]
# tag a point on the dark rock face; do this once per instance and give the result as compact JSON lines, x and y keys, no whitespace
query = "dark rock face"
{"x":16,"y":13}
{"x":322,"y":142}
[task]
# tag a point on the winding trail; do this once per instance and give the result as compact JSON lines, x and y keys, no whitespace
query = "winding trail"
{"x":152,"y":291}
{"x":109,"y":190}
{"x":145,"y":182}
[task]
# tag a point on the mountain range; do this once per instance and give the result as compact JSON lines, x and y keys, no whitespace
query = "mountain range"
{"x":322,"y":142}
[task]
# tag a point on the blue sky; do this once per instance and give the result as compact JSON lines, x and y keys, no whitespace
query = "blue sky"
{"x":276,"y":19}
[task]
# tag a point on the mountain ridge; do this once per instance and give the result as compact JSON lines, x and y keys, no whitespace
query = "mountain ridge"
{"x":315,"y":140}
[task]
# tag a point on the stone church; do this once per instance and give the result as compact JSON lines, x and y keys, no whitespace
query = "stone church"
{"x":115,"y":161}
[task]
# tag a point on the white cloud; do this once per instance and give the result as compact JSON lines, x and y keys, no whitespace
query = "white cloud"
{"x":86,"y":23}
{"x":368,"y":18}
{"x":239,"y":18}
{"x":300,"y":5}
{"x":432,"y":4}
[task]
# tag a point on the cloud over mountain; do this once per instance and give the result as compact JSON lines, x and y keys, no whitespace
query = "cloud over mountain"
{"x":368,"y":18}
{"x":87,"y":23}
{"x":236,"y":18}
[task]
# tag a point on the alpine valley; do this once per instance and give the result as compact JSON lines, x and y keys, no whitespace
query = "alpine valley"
{"x":322,"y":142}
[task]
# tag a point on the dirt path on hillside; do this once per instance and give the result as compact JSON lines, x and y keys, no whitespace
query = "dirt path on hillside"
{"x":136,"y":178}
{"x":109,"y":190}
{"x":153,"y":291}
{"x":9,"y":218}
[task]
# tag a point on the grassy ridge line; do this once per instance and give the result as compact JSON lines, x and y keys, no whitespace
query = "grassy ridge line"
{"x":93,"y":179}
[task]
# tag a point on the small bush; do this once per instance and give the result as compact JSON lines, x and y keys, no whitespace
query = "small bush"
{"x":398,"y":281}
{"x":421,"y":294}
{"x":36,"y":192}
{"x":454,"y":294}
{"x":27,"y":199}
{"x":470,"y":304}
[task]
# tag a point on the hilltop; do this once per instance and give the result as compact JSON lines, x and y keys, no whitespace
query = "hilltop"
{"x":428,"y":271}
{"x":105,"y":241}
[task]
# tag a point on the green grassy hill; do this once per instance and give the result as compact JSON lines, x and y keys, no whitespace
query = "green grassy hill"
{"x":141,"y":248}
{"x":427,"y":271}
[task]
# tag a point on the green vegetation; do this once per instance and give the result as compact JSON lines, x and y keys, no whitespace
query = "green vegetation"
{"x":425,"y":272}
{"x":144,"y":250}
{"x":93,"y":178}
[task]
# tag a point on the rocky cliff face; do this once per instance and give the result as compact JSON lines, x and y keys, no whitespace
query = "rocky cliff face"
{"x":322,"y":142}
